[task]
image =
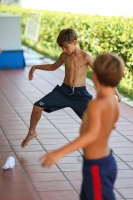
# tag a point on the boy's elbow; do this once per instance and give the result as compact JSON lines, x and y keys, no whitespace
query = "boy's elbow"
{"x":94,"y":137}
{"x":53,"y":67}
{"x":95,"y":134}
{"x":91,"y":138}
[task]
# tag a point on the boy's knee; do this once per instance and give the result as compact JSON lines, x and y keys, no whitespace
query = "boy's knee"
{"x":37,"y":109}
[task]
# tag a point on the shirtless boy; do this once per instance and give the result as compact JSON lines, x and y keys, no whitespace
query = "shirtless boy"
{"x":99,"y":166}
{"x":72,"y":93}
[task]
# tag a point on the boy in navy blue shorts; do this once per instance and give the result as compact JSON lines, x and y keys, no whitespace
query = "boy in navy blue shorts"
{"x":99,"y":166}
{"x":72,"y":93}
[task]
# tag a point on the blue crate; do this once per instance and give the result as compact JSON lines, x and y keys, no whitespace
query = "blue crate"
{"x":13,"y":59}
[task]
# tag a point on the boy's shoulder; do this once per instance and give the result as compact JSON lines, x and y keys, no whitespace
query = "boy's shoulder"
{"x":85,"y":53}
{"x":97,"y":105}
{"x":88,"y":58}
{"x":63,"y":55}
{"x":102,"y":104}
{"x":94,"y":105}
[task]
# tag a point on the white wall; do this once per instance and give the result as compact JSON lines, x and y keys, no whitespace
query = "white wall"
{"x":10,"y":32}
{"x":101,"y":7}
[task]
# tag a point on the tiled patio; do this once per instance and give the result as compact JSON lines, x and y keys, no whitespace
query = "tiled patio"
{"x":28,"y":180}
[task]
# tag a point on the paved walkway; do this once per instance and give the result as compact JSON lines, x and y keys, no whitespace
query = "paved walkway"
{"x":28,"y":180}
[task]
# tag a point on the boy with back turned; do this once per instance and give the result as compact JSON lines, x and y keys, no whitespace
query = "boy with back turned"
{"x":99,"y":166}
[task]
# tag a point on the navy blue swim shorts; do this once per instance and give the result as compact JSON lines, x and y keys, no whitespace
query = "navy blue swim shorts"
{"x":98,"y":179}
{"x":64,"y":96}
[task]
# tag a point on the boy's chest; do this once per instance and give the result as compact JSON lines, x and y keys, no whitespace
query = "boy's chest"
{"x":76,"y":62}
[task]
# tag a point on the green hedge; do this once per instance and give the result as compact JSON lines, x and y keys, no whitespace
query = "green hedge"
{"x":97,"y":34}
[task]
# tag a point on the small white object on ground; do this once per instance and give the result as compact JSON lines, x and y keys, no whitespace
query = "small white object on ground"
{"x":10,"y":163}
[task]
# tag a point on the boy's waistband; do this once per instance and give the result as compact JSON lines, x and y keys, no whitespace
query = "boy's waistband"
{"x":75,"y":88}
{"x":98,"y":161}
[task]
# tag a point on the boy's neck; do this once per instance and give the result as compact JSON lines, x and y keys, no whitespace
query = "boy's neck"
{"x":76,"y":50}
{"x":105,"y":91}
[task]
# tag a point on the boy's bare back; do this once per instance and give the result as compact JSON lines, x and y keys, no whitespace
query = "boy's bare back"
{"x":99,"y":120}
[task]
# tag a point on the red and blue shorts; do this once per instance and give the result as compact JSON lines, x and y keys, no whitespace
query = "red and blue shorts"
{"x":98,"y":179}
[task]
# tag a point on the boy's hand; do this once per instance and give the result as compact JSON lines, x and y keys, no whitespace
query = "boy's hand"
{"x":47,"y":160}
{"x":117,"y":94}
{"x":119,"y":97}
{"x":31,"y":73}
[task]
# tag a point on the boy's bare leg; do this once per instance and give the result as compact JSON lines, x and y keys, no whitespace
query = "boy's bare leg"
{"x":35,"y":117}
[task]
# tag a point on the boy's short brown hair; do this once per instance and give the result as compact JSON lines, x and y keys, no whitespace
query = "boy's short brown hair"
{"x":109,"y":69}
{"x":66,"y":35}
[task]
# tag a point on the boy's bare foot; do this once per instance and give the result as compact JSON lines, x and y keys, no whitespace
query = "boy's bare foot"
{"x":28,"y":138}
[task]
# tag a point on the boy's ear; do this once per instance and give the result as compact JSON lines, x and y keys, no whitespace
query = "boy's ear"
{"x":94,"y":77}
{"x":75,"y":42}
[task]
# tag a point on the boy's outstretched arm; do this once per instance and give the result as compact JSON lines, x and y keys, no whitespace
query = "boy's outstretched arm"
{"x":89,"y":134}
{"x":47,"y":67}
